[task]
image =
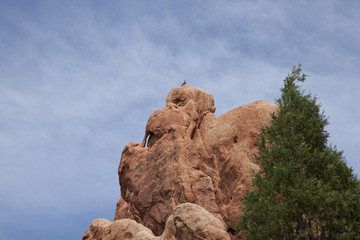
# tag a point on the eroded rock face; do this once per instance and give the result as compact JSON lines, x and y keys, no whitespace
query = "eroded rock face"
{"x":187,"y":222}
{"x":190,"y":156}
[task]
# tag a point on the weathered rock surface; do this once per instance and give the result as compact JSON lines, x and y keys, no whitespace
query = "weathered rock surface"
{"x":188,"y":222}
{"x":190,"y":156}
{"x":120,"y":229}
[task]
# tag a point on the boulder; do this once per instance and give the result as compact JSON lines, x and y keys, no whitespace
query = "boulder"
{"x":103,"y":229}
{"x":192,"y":222}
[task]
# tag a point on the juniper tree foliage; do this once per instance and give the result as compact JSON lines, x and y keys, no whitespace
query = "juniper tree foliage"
{"x":304,"y":190}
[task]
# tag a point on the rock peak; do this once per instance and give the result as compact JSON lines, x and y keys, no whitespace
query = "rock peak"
{"x":181,"y":96}
{"x":185,"y":108}
{"x":190,"y":156}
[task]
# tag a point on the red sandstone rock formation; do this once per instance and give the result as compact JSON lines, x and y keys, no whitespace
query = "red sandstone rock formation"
{"x":190,"y":156}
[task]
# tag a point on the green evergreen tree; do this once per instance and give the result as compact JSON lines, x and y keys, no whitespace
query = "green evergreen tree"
{"x":304,"y":190}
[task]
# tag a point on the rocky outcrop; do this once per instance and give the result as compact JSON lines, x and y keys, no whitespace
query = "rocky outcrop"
{"x":190,"y":156}
{"x":188,"y":222}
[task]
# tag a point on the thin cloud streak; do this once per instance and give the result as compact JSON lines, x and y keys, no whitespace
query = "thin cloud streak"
{"x":78,"y":81}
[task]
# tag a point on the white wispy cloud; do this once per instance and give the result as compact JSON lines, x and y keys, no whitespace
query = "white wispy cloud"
{"x":78,"y":81}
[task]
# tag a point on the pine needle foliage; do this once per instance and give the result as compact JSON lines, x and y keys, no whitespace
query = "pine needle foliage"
{"x":304,"y":190}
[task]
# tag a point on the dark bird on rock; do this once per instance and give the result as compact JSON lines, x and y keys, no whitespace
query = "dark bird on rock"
{"x":184,"y":83}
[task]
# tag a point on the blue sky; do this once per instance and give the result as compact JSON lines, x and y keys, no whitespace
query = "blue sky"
{"x":79,"y":79}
